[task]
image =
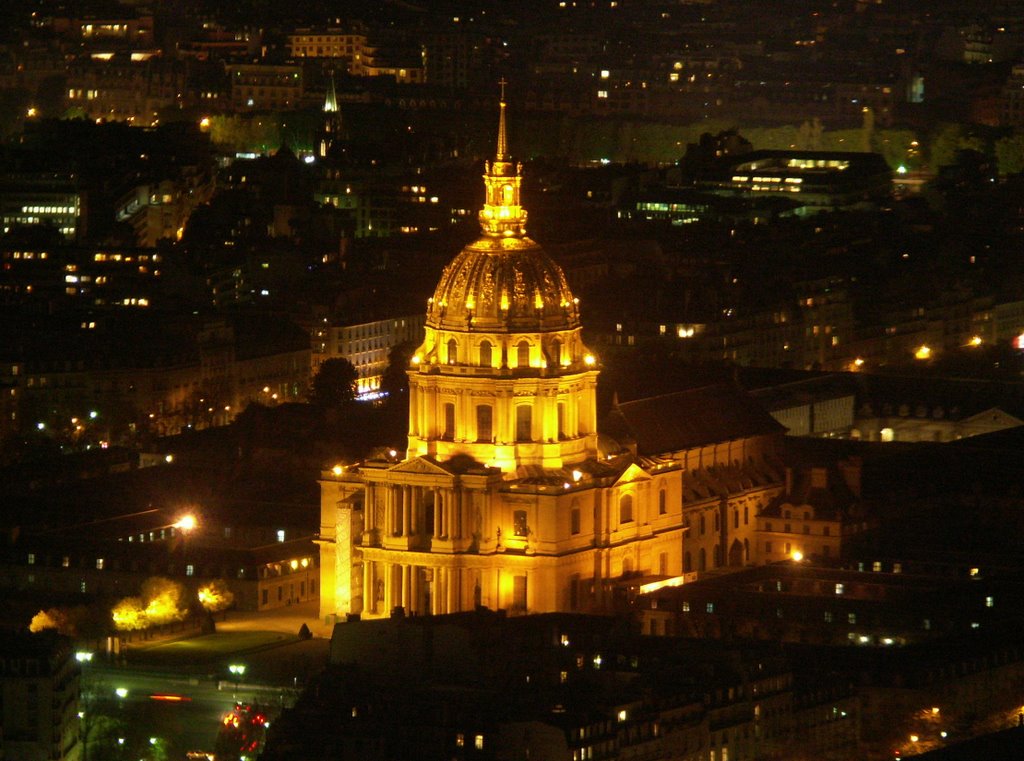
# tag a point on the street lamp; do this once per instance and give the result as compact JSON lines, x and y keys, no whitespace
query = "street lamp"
{"x":238,"y":671}
{"x":186,"y":523}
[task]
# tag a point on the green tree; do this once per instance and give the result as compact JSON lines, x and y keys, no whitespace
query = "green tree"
{"x":395,"y":382}
{"x":334,"y":383}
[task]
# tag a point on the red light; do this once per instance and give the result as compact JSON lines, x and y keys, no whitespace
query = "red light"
{"x":170,"y":698}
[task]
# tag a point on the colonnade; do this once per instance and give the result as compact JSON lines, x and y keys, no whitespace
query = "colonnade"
{"x":416,"y":511}
{"x":420,"y":590}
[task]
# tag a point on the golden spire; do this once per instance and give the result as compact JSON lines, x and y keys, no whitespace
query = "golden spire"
{"x":502,"y":154}
{"x":502,"y":215}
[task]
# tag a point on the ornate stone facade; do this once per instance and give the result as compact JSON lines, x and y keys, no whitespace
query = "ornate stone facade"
{"x":504,"y":497}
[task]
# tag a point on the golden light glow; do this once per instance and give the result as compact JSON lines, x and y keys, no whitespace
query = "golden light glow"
{"x":923,"y":352}
{"x":215,"y":596}
{"x":504,"y":301}
{"x":538,"y":300}
{"x":337,"y":470}
{"x":577,"y":475}
{"x":32,"y":112}
{"x":129,"y":615}
{"x":589,"y":360}
{"x":914,"y":738}
{"x":797,"y":555}
{"x":935,"y":710}
{"x":416,"y":359}
{"x":858,"y":362}
{"x":294,"y":564}
{"x":976,"y":341}
{"x":470,"y":302}
{"x":186,"y":523}
{"x":204,"y":123}
{"x":654,"y":586}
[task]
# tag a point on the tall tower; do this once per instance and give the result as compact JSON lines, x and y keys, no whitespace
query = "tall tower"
{"x":332,"y":126}
{"x":503,"y":375}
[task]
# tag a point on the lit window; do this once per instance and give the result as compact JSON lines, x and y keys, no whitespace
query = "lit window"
{"x":280,"y":535}
{"x":478,"y":742}
{"x":99,"y":564}
{"x":840,"y":589}
{"x":990,"y":602}
{"x":32,"y":561}
{"x":460,"y":740}
{"x":190,"y":570}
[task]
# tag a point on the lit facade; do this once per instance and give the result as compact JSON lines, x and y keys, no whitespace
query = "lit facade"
{"x":264,"y":87}
{"x":366,"y":344}
{"x":503,"y":497}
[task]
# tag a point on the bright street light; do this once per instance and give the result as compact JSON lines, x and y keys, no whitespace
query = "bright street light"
{"x":121,"y":692}
{"x":186,"y":522}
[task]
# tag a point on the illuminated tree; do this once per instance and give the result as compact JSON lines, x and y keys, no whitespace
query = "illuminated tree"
{"x":164,"y":600}
{"x":130,"y":614}
{"x":53,"y":618}
{"x":216,"y":596}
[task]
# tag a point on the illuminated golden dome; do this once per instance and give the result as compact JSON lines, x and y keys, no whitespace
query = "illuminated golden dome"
{"x":503,"y":280}
{"x":498,"y":283}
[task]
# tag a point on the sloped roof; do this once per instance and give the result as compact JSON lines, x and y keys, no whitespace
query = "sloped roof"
{"x":691,"y":418}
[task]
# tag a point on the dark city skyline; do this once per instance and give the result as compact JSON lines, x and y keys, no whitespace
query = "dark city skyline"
{"x":560,"y":379}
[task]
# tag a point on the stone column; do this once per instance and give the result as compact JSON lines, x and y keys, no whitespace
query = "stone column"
{"x":369,"y":593}
{"x":414,"y":589}
{"x":440,"y":514}
{"x":389,"y":572}
{"x":407,"y":595}
{"x":407,"y":511}
{"x":452,"y":580}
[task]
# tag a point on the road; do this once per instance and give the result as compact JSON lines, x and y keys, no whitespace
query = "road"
{"x":190,"y":723}
{"x":116,"y":696}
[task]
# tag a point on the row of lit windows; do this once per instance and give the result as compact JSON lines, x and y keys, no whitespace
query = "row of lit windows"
{"x":27,"y":255}
{"x":49,"y":209}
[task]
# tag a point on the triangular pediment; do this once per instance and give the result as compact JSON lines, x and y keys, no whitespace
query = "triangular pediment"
{"x":994,"y":417}
{"x":633,"y":474}
{"x":420,"y":466}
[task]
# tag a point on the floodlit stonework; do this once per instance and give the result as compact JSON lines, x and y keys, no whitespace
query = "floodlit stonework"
{"x":505,"y":497}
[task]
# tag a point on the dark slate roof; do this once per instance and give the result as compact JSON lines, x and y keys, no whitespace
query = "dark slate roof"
{"x":691,"y":418}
